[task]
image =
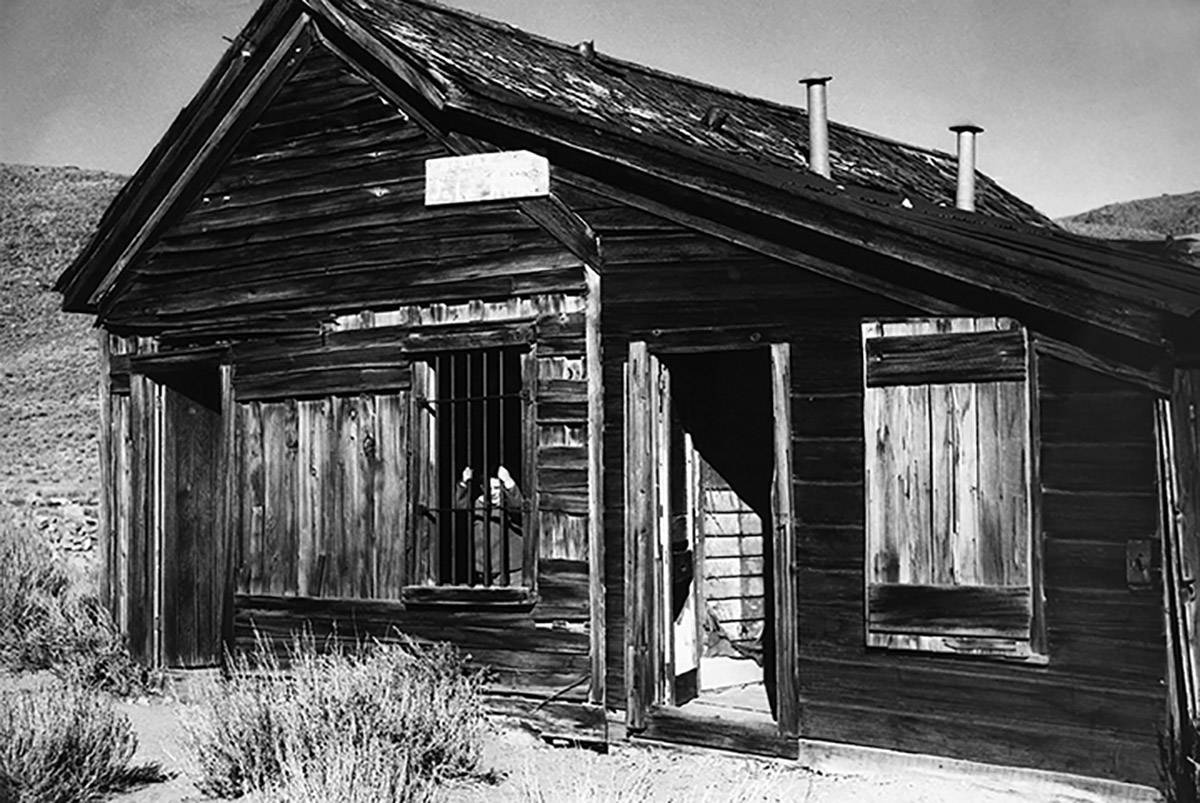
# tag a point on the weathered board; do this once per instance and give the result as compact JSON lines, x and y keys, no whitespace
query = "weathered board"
{"x":486,"y":177}
{"x":733,"y":558}
{"x":948,"y":504}
{"x":326,"y":482}
{"x":1095,"y":707}
{"x":321,"y":208}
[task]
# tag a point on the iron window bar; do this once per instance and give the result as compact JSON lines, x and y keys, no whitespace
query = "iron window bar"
{"x":473,"y":406}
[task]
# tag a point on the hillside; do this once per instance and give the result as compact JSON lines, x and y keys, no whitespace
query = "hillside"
{"x":48,"y":398}
{"x":1143,"y":219}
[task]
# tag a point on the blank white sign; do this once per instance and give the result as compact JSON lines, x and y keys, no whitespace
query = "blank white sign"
{"x":486,"y":177}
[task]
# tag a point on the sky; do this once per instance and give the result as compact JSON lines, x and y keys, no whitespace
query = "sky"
{"x":1083,"y":102}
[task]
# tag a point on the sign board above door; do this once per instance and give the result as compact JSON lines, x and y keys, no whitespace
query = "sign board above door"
{"x":486,"y":177}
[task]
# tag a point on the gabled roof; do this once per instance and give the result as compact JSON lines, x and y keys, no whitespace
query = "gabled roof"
{"x":628,"y":123}
{"x":479,"y":53}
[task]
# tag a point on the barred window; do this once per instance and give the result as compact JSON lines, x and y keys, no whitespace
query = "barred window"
{"x":474,"y":503}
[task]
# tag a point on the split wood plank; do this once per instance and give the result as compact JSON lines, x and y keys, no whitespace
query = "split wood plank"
{"x":391,"y":492}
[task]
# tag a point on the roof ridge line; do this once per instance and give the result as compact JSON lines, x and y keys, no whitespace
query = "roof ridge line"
{"x":661,"y":73}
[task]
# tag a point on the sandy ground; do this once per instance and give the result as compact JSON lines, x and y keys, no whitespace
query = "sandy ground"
{"x":526,"y":769}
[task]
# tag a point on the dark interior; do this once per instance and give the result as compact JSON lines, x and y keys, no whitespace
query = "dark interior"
{"x":723,"y":399}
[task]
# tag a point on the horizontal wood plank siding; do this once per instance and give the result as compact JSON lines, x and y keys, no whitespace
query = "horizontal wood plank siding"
{"x":519,"y":654}
{"x":321,"y":208}
{"x":960,"y":611}
{"x":946,"y":358}
{"x":1095,"y":707}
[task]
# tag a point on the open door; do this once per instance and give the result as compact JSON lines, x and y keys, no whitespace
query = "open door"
{"x":738,"y":407}
{"x":650,"y":628}
{"x":185,"y":494}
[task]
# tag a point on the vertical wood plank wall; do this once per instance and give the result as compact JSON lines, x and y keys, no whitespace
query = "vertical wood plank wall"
{"x":1096,"y":707}
{"x":326,"y":505}
{"x":317,"y":215}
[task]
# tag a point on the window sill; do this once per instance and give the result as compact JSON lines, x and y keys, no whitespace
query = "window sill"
{"x":991,"y":649}
{"x":514,"y":597}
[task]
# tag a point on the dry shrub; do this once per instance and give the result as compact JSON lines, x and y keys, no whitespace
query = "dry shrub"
{"x":375,"y":722}
{"x":61,"y":742}
{"x":46,"y":623}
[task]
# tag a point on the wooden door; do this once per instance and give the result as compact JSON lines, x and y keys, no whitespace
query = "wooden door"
{"x":188,"y":512}
{"x":646,"y":634}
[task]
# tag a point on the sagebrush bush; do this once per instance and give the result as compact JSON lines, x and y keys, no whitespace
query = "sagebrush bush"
{"x":47,"y":623}
{"x":374,"y":722}
{"x":62,"y":742}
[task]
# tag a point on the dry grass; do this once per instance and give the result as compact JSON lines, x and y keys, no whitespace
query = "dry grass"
{"x":376,"y":723}
{"x":62,"y":742}
{"x":47,"y":623}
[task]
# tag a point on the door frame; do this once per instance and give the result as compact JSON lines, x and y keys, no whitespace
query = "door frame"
{"x":151,"y":375}
{"x":647,"y":625}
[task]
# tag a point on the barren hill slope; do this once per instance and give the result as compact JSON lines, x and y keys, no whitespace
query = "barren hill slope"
{"x":48,"y":399}
{"x":1141,"y":219}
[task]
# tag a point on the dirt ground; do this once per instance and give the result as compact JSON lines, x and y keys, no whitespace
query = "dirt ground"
{"x":526,"y":769}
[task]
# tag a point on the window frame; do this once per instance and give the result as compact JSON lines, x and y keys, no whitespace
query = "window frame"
{"x":422,"y":586}
{"x":1026,"y":649}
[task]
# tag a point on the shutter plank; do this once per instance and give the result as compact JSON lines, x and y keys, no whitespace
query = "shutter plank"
{"x":874,"y":471}
{"x":965,"y":611}
{"x":947,"y":357}
{"x":391,"y":492}
{"x":252,"y":498}
{"x":916,"y":515}
{"x":308,"y":510}
{"x":993,"y":541}
{"x":1013,"y":417}
{"x":964,"y":484}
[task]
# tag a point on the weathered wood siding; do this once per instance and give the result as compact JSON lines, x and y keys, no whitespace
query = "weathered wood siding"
{"x":312,"y":253}
{"x":325,"y":533}
{"x":674,"y":287}
{"x":116,"y":475}
{"x":1096,"y":706}
{"x":733,"y":558}
{"x":320,"y":208}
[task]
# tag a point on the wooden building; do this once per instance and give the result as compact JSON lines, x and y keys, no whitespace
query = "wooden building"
{"x":785,"y":455}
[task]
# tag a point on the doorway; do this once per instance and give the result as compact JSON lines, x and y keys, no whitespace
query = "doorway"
{"x":708,"y":512}
{"x":186,"y":501}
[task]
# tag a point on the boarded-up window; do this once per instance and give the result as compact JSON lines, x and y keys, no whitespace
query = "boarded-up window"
{"x":948,"y":477}
{"x":471,"y":458}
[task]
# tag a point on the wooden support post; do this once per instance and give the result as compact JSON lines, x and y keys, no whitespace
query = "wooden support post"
{"x":785,"y":585}
{"x":227,"y":533}
{"x":639,"y":535}
{"x":106,"y":542}
{"x":139,"y":581}
{"x":1178,"y":437}
{"x":595,"y":446}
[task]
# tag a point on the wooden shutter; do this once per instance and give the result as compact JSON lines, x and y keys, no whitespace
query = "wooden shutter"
{"x":948,"y":506}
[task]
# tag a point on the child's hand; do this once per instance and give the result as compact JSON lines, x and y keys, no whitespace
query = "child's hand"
{"x":467,"y":475}
{"x":504,"y":477}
